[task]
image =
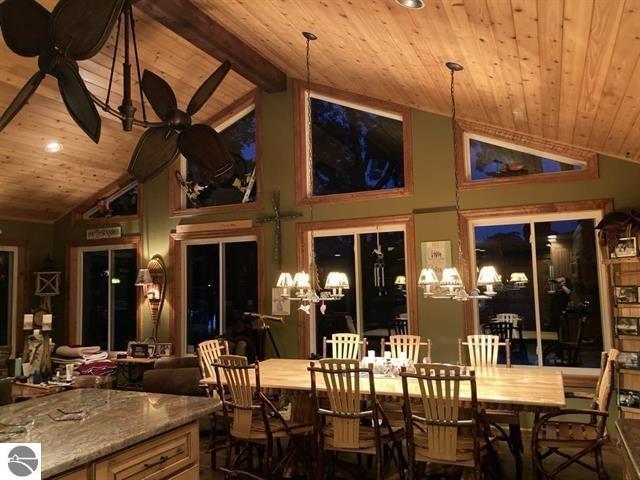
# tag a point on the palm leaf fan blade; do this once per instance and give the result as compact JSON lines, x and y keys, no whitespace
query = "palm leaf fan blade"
{"x":21,"y":99}
{"x":78,"y":100}
{"x":25,"y":27}
{"x":82,"y":27}
{"x":159,"y":93}
{"x":202,"y":145}
{"x":207,"y":89}
{"x":156,"y":149}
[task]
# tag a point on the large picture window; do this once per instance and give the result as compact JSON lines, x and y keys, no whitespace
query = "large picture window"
{"x":221,"y":283}
{"x":108,"y":297}
{"x":551,"y":290}
{"x":360,"y":148}
{"x":8,"y":293}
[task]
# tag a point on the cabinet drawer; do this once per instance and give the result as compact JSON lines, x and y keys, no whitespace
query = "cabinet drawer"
{"x":191,"y":473}
{"x":156,"y":459}
{"x":77,"y":475}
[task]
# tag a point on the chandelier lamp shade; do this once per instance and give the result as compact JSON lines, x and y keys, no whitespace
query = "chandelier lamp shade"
{"x":519,"y":278}
{"x":428,"y":281}
{"x":336,"y":283}
{"x":487,"y":277}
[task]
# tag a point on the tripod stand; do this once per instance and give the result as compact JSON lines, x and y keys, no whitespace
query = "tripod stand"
{"x":264,"y":331}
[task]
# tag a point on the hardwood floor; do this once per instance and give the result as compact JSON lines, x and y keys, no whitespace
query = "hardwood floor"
{"x":612,"y":457}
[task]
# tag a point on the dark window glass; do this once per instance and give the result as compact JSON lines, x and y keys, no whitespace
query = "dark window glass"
{"x":354,"y":150}
{"x":125,"y":203}
{"x":6,"y":303}
{"x":494,"y":161}
{"x":124,"y":295}
{"x":336,"y":254}
{"x":240,"y":140}
{"x":569,"y":293}
{"x":507,"y":248}
{"x":241,"y":286}
{"x":203,"y":293}
{"x":95,"y":299}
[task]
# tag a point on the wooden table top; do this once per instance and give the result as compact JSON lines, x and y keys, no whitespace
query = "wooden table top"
{"x":142,"y":360}
{"x":528,"y":388}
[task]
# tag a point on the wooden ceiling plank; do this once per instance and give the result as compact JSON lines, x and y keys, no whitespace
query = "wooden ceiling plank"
{"x":185,"y":19}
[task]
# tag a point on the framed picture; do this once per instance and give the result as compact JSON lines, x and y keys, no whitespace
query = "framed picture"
{"x":627,"y":325}
{"x":629,"y":398}
{"x":140,"y":350}
{"x":626,"y":295}
{"x":625,"y":248}
{"x":436,"y":255}
{"x":279,"y":305}
{"x":163,"y":349}
{"x":629,"y":360}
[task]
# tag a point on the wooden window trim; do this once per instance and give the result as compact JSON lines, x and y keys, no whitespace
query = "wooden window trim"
{"x":468,"y":216}
{"x":303,"y":195}
{"x":23,"y":289}
{"x":71,"y":282}
{"x":303,"y":231}
{"x":174,"y":304}
{"x":520,"y":140}
{"x":175,"y":192}
{"x":120,"y":183}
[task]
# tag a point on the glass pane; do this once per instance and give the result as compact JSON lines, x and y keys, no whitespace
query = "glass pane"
{"x":124,"y":299}
{"x":126,"y":203}
{"x":569,"y":293}
{"x":6,"y":294}
{"x":384,"y":303}
{"x":512,"y":311}
{"x":493,"y":161}
{"x":354,"y":150}
{"x":241,"y":286}
{"x":203,"y":293}
{"x":95,"y":299}
{"x":240,"y":140}
{"x":336,"y":254}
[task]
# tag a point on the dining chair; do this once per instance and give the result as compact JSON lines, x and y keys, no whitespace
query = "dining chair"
{"x":345,"y":346}
{"x":345,"y":426}
{"x":252,"y":418}
{"x":508,"y":330}
{"x":407,"y":345}
{"x":438,"y":429}
{"x":551,"y":436}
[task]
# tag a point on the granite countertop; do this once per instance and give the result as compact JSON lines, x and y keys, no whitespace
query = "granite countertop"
{"x":630,"y":437}
{"x":108,"y":421}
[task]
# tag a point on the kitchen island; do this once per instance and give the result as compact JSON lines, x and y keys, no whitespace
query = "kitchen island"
{"x":629,"y":431}
{"x":106,"y":434}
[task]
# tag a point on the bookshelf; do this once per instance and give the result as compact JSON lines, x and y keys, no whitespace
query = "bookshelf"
{"x":625,"y":272}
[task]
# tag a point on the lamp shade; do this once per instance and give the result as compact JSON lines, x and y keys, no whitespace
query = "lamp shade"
{"x":336,"y":280}
{"x":427,"y":277}
{"x":144,"y":278}
{"x":451,"y":278}
{"x":301,"y":280}
{"x":400,"y":280}
{"x":488,"y":275}
{"x":518,"y":277}
{"x":285,"y":280}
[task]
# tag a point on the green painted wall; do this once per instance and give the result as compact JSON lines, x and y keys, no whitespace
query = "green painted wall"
{"x":434,"y":187}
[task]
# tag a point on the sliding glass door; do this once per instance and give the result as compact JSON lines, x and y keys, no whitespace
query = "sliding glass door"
{"x":221,"y":283}
{"x":8,"y":293}
{"x":550,"y":289}
{"x":108,"y":302}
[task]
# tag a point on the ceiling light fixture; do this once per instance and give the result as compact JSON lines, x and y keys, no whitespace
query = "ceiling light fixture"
{"x":53,"y":147}
{"x":412,"y":4}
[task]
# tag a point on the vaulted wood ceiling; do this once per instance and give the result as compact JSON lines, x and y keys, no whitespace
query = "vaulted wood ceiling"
{"x":40,"y":186}
{"x":565,"y":70}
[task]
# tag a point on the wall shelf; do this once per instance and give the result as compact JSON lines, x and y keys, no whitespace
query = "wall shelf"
{"x":617,"y":261}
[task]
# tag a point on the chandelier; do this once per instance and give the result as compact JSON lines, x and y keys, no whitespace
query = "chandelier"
{"x":450,"y":285}
{"x":303,"y":286}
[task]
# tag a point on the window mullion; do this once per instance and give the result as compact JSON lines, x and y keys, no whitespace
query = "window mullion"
{"x":110,"y":300}
{"x":536,"y":293}
{"x":358,"y":283}
{"x":222,"y":282}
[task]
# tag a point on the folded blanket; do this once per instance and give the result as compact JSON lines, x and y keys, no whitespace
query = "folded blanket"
{"x":75,"y":352}
{"x":95,"y":357}
{"x":65,"y":361}
{"x":99,"y":368}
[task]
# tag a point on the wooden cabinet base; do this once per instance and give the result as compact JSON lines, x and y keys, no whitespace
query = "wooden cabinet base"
{"x":170,"y":456}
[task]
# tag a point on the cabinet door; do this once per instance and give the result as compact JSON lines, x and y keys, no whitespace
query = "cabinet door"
{"x":77,"y":475}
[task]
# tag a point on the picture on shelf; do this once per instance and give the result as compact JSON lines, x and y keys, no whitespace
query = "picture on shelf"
{"x":163,"y":349}
{"x":627,"y":325}
{"x":625,"y":248}
{"x":626,"y":295}
{"x":629,"y":360}
{"x":629,"y":398}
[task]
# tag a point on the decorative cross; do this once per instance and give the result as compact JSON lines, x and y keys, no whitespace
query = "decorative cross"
{"x":277,"y":218}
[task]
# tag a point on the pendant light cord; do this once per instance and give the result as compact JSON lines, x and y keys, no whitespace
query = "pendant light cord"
{"x":313,"y":269}
{"x":461,"y":257}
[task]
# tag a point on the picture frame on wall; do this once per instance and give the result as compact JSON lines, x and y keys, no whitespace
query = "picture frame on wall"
{"x":627,"y":325}
{"x":626,"y":295}
{"x":279,"y":305}
{"x":436,"y":255}
{"x":626,"y":247}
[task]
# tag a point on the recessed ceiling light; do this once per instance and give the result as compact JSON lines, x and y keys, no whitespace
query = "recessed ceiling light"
{"x":53,"y":147}
{"x":412,"y":4}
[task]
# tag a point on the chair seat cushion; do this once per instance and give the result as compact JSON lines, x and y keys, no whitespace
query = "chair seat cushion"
{"x":366,"y":439}
{"x":565,"y":433}
{"x":464,"y":449}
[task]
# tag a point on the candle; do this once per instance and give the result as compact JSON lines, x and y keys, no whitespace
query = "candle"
{"x":47,"y":322}
{"x":28,"y":321}
{"x":371,"y":354}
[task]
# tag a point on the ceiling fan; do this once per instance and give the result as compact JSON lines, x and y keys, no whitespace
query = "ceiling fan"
{"x":199,"y":143}
{"x":75,"y":30}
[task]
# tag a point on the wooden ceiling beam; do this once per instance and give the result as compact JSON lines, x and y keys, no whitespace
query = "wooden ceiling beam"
{"x":187,"y":20}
